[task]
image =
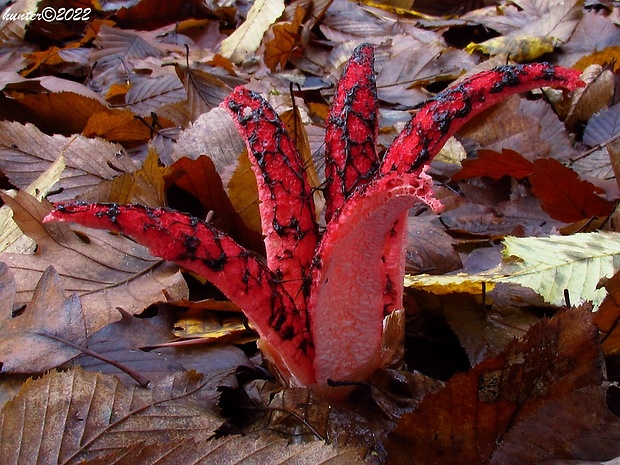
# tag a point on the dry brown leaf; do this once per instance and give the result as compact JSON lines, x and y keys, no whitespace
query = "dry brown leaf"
{"x":286,"y":36}
{"x":594,"y":32}
{"x":68,"y":417}
{"x":506,"y":126}
{"x":24,"y":346}
{"x":145,"y":186}
{"x":53,"y":104}
{"x":123,"y":340}
{"x":483,"y":332}
{"x":576,"y":429}
{"x":429,"y":249}
{"x":465,"y":421}
{"x":105,"y":270}
{"x":119,"y":126}
{"x":594,"y":97}
{"x":215,"y":135}
{"x":12,"y":239}
{"x":25,"y":153}
{"x":205,"y":90}
{"x":250,"y":449}
{"x":147,"y":94}
{"x":346,"y":24}
{"x":416,"y":62}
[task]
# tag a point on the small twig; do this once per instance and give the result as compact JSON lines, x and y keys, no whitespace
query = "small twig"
{"x":141,"y":380}
{"x":567,"y":298}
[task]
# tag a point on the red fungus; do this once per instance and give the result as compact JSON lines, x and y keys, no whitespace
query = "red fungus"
{"x":318,"y":303}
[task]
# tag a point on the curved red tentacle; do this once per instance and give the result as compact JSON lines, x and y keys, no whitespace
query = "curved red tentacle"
{"x":351,"y":158}
{"x":287,"y":208}
{"x":200,"y":247}
{"x":441,"y":116}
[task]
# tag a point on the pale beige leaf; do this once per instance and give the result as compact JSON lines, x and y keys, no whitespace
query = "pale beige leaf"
{"x":147,"y":94}
{"x":417,"y":62}
{"x":213,"y":134}
{"x":26,"y":152}
{"x":68,"y":417}
{"x":12,"y":25}
{"x":24,"y":346}
{"x":548,"y":265}
{"x":243,"y":43}
{"x":105,"y":270}
{"x":552,"y":20}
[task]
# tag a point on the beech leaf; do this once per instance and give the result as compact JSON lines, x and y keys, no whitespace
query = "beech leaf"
{"x":146,"y":95}
{"x":548,"y":265}
{"x":205,"y":90}
{"x":246,"y":39}
{"x":145,"y":186}
{"x":68,"y":417}
{"x":495,"y":165}
{"x":105,"y":270}
{"x":603,"y":126}
{"x":251,"y":449}
{"x":26,"y":152}
{"x":564,"y":196}
{"x":12,"y":239}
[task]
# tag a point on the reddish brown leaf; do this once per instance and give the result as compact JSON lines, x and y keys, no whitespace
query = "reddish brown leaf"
{"x":200,"y":179}
{"x":495,"y":165}
{"x":576,"y":429}
{"x":464,"y":422}
{"x":285,"y":38}
{"x":564,"y":196}
{"x":607,"y":318}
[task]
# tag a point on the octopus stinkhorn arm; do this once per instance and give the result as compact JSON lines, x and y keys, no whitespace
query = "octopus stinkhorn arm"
{"x":441,"y":116}
{"x":286,"y":205}
{"x":200,"y":247}
{"x":351,"y":157}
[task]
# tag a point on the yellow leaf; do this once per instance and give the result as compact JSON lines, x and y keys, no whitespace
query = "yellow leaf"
{"x":446,"y":284}
{"x":243,"y":43}
{"x":606,"y":57}
{"x":518,"y":48}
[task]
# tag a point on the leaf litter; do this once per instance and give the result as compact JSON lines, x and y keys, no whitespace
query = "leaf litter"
{"x":512,"y":205}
